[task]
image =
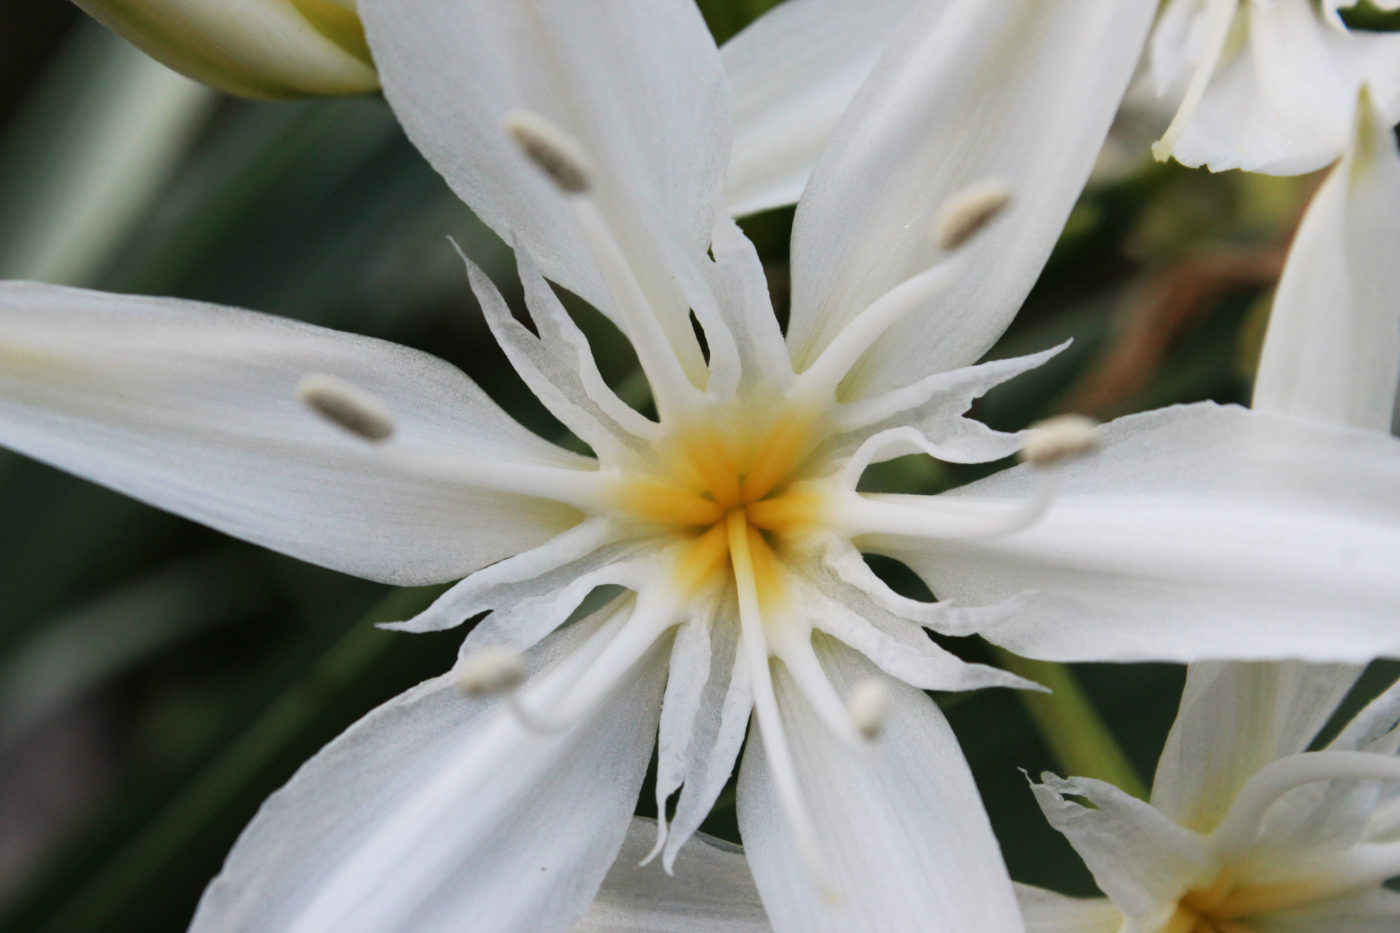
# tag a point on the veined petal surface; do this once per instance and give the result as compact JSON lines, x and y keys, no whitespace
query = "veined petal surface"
{"x":1197,"y":532}
{"x":710,"y":891}
{"x":194,"y":408}
{"x":935,"y":866}
{"x":436,"y":811}
{"x":792,"y":73}
{"x":1234,"y":719}
{"x":639,"y":86}
{"x":1020,"y":91}
{"x":1051,"y":912}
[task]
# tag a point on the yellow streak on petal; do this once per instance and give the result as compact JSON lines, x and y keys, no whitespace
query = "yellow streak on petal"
{"x":702,"y":558}
{"x":779,"y":456}
{"x":669,"y":505}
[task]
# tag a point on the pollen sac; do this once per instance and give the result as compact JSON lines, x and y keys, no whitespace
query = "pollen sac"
{"x":1060,"y":438}
{"x":969,"y":211}
{"x":552,"y":149}
{"x":346,"y":406}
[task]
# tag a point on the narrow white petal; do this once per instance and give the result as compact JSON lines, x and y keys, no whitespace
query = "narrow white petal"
{"x":1138,"y":857}
{"x":1194,"y":533}
{"x":902,"y":828}
{"x":194,"y":408}
{"x":689,"y":671}
{"x":793,"y":72}
{"x":720,"y":727}
{"x":640,"y":87}
{"x":1017,"y":90}
{"x":1050,"y":912}
{"x":1332,"y":351}
{"x":1234,"y":719}
{"x":710,"y":891}
{"x":435,"y":808}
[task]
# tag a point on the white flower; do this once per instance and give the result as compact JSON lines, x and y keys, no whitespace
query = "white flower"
{"x":1332,"y":351}
{"x":596,"y":137}
{"x":1267,"y":85}
{"x":1246,"y":830}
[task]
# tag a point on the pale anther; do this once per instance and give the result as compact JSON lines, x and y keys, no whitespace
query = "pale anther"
{"x":968,"y":211}
{"x":1060,"y":438}
{"x":868,"y":704}
{"x":551,"y":148}
{"x":489,"y":671}
{"x":347,"y":406}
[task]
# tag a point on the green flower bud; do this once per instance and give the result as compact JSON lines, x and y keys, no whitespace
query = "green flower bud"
{"x":254,"y":48}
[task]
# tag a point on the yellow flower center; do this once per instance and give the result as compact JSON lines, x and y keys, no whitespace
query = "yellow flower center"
{"x":707,"y":481}
{"x":1227,"y":906}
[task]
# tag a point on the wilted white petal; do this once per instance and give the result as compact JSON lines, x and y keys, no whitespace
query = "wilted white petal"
{"x":641,"y":89}
{"x":1050,"y":912}
{"x":1332,"y":351}
{"x":435,"y":807}
{"x":1195,"y":532}
{"x":194,"y":408}
{"x":711,"y":890}
{"x":1234,"y":719}
{"x":793,"y":72}
{"x":951,"y":105}
{"x":1284,"y":103}
{"x":1139,"y":858}
{"x":901,"y":828}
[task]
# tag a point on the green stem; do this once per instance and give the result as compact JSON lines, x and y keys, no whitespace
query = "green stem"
{"x":141,"y":862}
{"x":1076,"y":734}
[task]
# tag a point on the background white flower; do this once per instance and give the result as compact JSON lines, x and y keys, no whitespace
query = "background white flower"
{"x":1267,"y":85}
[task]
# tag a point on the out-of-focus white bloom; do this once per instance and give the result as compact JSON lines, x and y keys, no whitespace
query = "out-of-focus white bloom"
{"x":1332,"y":351}
{"x":596,"y":137}
{"x":1268,"y":85}
{"x":256,"y":48}
{"x":1246,"y":830}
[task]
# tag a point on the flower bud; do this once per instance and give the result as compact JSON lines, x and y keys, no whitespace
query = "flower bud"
{"x":253,"y":48}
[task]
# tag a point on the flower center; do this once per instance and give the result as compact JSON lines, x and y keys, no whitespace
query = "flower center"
{"x":708,"y":481}
{"x":1227,"y":907}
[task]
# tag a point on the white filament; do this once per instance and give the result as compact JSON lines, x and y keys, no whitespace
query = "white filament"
{"x":588,"y":490}
{"x":670,"y":385}
{"x":1242,"y":822}
{"x":765,"y":703}
{"x":936,"y":517}
{"x":818,"y":382}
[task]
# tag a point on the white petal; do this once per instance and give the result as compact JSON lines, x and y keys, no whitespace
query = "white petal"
{"x":710,"y":891}
{"x":720,"y":727}
{"x":434,"y":810}
{"x":793,"y":72}
{"x":1194,"y":533}
{"x":1016,"y":90}
{"x":901,"y":829}
{"x":1376,"y":911}
{"x":194,"y":408}
{"x":1050,"y":912}
{"x":1333,"y":347}
{"x":1139,"y":858}
{"x":640,"y":87}
{"x":1284,"y":104}
{"x":1234,"y":719}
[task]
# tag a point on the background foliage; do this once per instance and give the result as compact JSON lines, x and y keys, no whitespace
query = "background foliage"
{"x":158,"y":680}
